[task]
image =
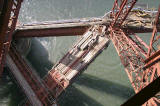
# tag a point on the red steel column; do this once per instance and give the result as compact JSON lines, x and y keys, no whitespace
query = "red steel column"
{"x":132,"y":51}
{"x":8,"y":22}
{"x":36,"y":84}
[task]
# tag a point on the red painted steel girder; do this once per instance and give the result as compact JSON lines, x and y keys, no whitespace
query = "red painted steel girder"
{"x":9,"y":17}
{"x":120,"y":11}
{"x":129,"y":49}
{"x":131,"y":57}
{"x":37,"y":85}
{"x":51,"y":32}
{"x":133,"y":60}
{"x":58,"y":28}
{"x":66,"y":31}
{"x":154,"y":36}
{"x":152,"y":65}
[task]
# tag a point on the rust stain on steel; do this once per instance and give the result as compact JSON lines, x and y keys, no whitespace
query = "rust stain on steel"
{"x":67,"y":31}
{"x":149,"y":71}
{"x":77,"y":27}
{"x":9,"y":17}
{"x":131,"y":50}
{"x":156,"y":54}
{"x":76,"y":59}
{"x":50,"y":32}
{"x":36,"y":84}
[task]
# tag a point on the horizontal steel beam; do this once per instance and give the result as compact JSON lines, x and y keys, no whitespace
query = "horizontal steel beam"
{"x":32,"y":97}
{"x":51,"y":32}
{"x":57,"y":28}
{"x":68,"y":28}
{"x":35,"y":89}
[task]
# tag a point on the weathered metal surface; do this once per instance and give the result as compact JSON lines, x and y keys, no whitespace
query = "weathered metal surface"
{"x":8,"y":22}
{"x":138,"y":24}
{"x":130,"y":56}
{"x":51,"y":32}
{"x":154,"y":34}
{"x":57,"y":28}
{"x":118,"y":24}
{"x":33,"y":86}
{"x":121,"y":9}
{"x":157,"y":53}
{"x":152,"y":66}
{"x":133,"y":51}
{"x":126,"y":46}
{"x":22,"y":82}
{"x":78,"y":57}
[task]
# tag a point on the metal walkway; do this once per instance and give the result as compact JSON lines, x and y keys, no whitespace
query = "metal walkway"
{"x":78,"y":57}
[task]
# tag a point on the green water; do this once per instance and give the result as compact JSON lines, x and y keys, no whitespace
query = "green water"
{"x":104,"y":82}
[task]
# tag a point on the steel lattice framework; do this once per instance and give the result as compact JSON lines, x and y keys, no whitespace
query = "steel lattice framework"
{"x":141,"y":61}
{"x":152,"y":66}
{"x":133,"y":51}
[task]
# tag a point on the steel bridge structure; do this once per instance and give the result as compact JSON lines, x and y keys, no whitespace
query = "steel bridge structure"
{"x":140,"y":60}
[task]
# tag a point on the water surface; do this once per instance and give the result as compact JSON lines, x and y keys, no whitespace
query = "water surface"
{"x":104,"y":82}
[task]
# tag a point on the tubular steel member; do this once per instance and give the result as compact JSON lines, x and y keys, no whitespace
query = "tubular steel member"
{"x":8,"y":22}
{"x":36,"y":84}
